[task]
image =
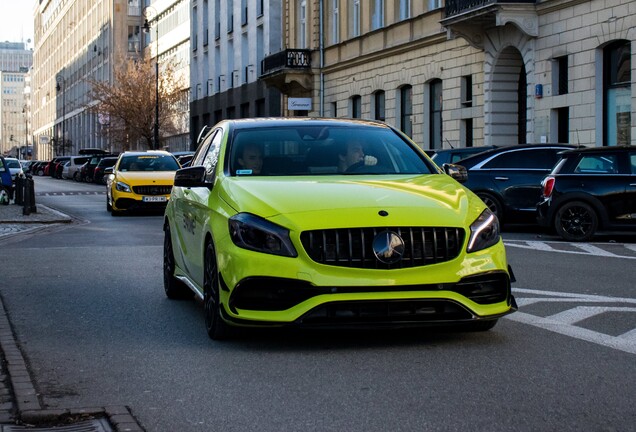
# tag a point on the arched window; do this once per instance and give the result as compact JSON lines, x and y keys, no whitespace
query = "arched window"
{"x":617,"y":93}
{"x":356,"y":106}
{"x":406,"y":110}
{"x":379,"y":106}
{"x":435,"y":114}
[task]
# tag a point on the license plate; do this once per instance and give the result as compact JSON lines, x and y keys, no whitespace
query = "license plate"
{"x":154,"y":199}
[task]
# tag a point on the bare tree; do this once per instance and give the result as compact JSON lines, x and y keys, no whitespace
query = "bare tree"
{"x":129,"y":101}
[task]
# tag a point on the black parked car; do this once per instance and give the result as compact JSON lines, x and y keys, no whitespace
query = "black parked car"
{"x":589,"y":190}
{"x":98,"y":172}
{"x":454,"y":155}
{"x":508,"y":179}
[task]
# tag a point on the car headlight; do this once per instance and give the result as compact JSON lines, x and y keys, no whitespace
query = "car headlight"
{"x":484,"y":232}
{"x":122,"y":187}
{"x":254,"y":233}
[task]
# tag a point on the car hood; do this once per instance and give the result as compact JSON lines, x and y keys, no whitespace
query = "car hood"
{"x":310,"y":202}
{"x":139,"y":177}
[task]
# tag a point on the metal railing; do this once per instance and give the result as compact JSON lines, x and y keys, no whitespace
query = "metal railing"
{"x":456,"y":7}
{"x":290,"y":58}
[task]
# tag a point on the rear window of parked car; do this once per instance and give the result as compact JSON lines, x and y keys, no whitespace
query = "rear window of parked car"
{"x":597,"y":164}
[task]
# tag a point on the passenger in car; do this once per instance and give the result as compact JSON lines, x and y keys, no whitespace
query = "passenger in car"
{"x":250,"y":160}
{"x":352,"y":153}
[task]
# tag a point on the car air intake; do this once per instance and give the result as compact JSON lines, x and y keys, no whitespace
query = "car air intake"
{"x":353,"y":247}
{"x":152,"y":190}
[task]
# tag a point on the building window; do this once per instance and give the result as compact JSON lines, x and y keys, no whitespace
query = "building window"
{"x":245,"y":110}
{"x":134,"y":39}
{"x":617,"y":93}
{"x":230,"y":16}
{"x":356,"y":106}
{"x":435,"y":114}
{"x":217,"y":19}
{"x":434,"y":4}
{"x":560,"y":75}
{"x":403,"y":9}
{"x":467,"y":90}
{"x":468,"y":132}
{"x":334,"y":109}
{"x":335,"y":21}
{"x":206,"y":32}
{"x":259,"y":8}
{"x":354,"y":20}
{"x":302,"y":26}
{"x":243,"y":12}
{"x":260,"y":108}
{"x":377,"y":14}
{"x":194,"y":27}
{"x":378,"y":105}
{"x":563,"y":125}
{"x":406,"y":110}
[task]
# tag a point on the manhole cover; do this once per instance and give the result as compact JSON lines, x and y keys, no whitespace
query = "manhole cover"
{"x":97,"y":425}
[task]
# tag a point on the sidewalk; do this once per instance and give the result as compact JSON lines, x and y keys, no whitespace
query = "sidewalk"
{"x":20,"y":405}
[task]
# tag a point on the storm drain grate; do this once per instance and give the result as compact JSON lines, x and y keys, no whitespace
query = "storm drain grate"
{"x":97,"y":425}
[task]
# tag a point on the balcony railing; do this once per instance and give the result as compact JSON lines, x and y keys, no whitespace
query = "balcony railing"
{"x":287,"y":59}
{"x":456,"y":7}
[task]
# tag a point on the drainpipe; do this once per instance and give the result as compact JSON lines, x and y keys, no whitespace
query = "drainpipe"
{"x":322,"y":58}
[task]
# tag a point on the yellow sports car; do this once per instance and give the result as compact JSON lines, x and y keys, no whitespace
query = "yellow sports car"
{"x":140,"y":181}
{"x":330,"y":222}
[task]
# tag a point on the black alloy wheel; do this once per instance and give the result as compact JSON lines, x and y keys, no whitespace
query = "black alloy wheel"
{"x":174,"y":288}
{"x":493,"y":204}
{"x":217,"y":328}
{"x":576,"y":221}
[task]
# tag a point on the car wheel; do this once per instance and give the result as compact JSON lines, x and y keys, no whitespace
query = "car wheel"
{"x":493,"y":204}
{"x":109,"y":208}
{"x":576,"y":221}
{"x":217,"y":328}
{"x":174,"y":288}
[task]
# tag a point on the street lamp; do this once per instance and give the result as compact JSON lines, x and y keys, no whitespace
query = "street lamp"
{"x":26,"y":130}
{"x":61,"y":82}
{"x":146,"y":28}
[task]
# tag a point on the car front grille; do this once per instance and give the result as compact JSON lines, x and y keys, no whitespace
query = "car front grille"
{"x":353,"y":247}
{"x":152,"y":190}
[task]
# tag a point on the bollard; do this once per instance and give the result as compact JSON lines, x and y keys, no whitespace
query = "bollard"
{"x":19,"y":190}
{"x":29,"y":196}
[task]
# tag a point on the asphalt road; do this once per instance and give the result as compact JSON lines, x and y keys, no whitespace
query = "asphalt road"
{"x":87,"y":306}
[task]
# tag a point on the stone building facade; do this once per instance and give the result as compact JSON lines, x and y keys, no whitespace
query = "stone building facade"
{"x":467,"y":73}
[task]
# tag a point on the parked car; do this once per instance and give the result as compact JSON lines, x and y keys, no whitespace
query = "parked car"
{"x":590,"y":190}
{"x":352,"y":225}
{"x":51,"y":167}
{"x":38,"y":168}
{"x":140,"y":181}
{"x":87,"y":171}
{"x":75,"y":164}
{"x":15,"y":168}
{"x":98,"y":172}
{"x":454,"y":155}
{"x":508,"y":179}
{"x":65,"y":173}
{"x":6,"y":182}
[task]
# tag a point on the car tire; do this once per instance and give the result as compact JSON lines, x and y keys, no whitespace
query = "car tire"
{"x":109,"y":208}
{"x":576,"y":221}
{"x":215,"y":325}
{"x":493,"y":204}
{"x":174,"y":288}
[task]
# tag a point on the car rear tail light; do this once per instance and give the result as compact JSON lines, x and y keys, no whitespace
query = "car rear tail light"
{"x":548,"y":186}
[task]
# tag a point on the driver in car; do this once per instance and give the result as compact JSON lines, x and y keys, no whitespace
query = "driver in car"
{"x":352,"y":155}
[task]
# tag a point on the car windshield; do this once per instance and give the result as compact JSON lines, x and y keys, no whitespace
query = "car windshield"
{"x":148,"y":163}
{"x":323,"y":150}
{"x":13,"y":163}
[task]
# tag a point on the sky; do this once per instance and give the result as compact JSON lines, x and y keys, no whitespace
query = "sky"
{"x":16,"y":20}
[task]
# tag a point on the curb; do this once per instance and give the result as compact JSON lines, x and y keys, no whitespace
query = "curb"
{"x":26,"y":407}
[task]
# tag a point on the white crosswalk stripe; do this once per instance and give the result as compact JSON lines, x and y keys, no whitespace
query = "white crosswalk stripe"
{"x":564,"y":322}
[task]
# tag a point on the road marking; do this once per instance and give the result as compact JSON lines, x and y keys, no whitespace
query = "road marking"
{"x":581,"y":313}
{"x":563,"y":322}
{"x":575,"y":248}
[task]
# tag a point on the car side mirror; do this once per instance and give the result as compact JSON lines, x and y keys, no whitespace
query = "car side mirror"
{"x":458,"y":172}
{"x":109,"y":170}
{"x":191,"y":177}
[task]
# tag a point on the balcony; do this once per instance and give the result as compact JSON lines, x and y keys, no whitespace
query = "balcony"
{"x":473,"y":18}
{"x":289,"y":71}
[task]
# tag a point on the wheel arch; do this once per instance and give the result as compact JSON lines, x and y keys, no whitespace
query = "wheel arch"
{"x":594,"y":202}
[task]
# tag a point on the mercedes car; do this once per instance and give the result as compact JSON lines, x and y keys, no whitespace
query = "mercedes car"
{"x":330,"y":223}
